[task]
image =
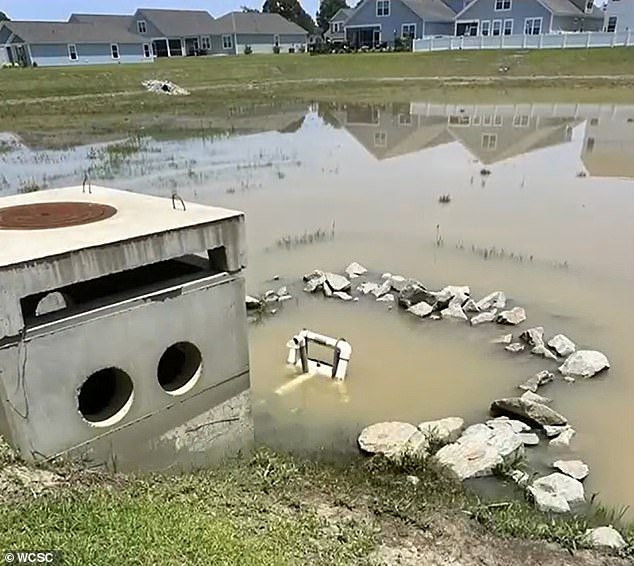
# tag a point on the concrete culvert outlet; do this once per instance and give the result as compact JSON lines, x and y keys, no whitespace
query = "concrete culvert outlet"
{"x":179,"y":368}
{"x":106,"y":397}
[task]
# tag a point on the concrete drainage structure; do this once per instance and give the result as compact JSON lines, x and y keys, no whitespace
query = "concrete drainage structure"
{"x":122,"y":322}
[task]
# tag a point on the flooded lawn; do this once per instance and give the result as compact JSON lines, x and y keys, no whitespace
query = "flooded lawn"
{"x":551,"y":225}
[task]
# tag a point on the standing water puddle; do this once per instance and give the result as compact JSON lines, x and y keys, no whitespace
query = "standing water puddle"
{"x":323,"y":186}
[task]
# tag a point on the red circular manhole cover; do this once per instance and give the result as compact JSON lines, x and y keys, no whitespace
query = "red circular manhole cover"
{"x":41,"y":216}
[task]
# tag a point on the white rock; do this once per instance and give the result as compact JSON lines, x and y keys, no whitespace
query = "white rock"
{"x":554,"y":430}
{"x":563,"y":345}
{"x":533,"y":397}
{"x":504,"y":339}
{"x":573,"y":468}
{"x":386,"y":276}
{"x":337,"y":282}
{"x":389,"y":298}
{"x":485,"y":317}
{"x":252,"y":303}
{"x":386,"y":438}
{"x":520,"y":478}
{"x":326,"y":289}
{"x":516,"y":347}
{"x":315,"y":274}
{"x":533,"y":336}
{"x":315,"y":283}
{"x":470,"y":306}
{"x":382,"y":289}
{"x":454,"y":311}
{"x":282,"y":291}
{"x":283,"y":298}
{"x":471,"y":457}
{"x":541,"y":350}
{"x":563,"y":440}
{"x":508,"y":444}
{"x":459,"y":292}
{"x":479,"y":429}
{"x":584,"y":363}
{"x":533,"y":383}
{"x":516,"y":315}
{"x":514,"y":425}
{"x":550,"y":491}
{"x":398,"y":282}
{"x":421,"y":309}
{"x":341,"y":295}
{"x":443,"y":430}
{"x":414,"y":480}
{"x":355,"y":270}
{"x":604,"y":537}
{"x":367,"y":288}
{"x":529,"y":438}
{"x":497,"y":300}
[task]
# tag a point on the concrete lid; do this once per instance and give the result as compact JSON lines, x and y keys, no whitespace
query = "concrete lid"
{"x":137,"y":216}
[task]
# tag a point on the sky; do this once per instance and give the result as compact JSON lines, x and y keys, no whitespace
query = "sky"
{"x":61,"y":9}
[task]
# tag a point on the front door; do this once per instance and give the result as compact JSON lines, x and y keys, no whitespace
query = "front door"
{"x":376,"y":37}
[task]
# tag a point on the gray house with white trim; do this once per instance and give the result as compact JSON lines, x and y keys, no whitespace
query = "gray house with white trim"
{"x":619,"y":16}
{"x":336,"y":32}
{"x":375,"y":22}
{"x":46,"y":44}
{"x":527,"y":17}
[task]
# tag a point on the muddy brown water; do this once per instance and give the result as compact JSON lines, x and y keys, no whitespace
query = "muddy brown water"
{"x":552,"y":226}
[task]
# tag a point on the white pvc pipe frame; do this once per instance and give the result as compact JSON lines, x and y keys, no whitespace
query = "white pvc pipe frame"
{"x":298,"y":352}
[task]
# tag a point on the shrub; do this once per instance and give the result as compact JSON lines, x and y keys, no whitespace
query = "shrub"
{"x":276,"y":49}
{"x":248,"y":50}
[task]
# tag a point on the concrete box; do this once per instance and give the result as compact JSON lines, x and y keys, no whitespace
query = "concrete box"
{"x":121,"y":326}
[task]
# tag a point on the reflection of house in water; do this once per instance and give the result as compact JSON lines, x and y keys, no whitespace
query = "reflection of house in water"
{"x":491,"y":134}
{"x":496,"y":136}
{"x":608,"y":147}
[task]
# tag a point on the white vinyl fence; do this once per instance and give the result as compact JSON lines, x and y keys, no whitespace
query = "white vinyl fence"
{"x":545,"y":41}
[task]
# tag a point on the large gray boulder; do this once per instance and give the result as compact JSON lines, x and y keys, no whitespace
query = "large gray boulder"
{"x":515,"y":316}
{"x":535,"y":382}
{"x":483,"y":317}
{"x":454,"y":310}
{"x":414,"y":293}
{"x":604,"y":537}
{"x":584,"y":363}
{"x":458,"y":294}
{"x":388,"y":438}
{"x":563,"y":345}
{"x":367,"y":288}
{"x":573,"y":468}
{"x":443,"y":430}
{"x":557,"y":493}
{"x":496,"y":300}
{"x":528,"y":411}
{"x":337,"y":282}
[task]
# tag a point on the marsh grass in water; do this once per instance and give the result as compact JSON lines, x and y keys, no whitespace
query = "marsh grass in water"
{"x":307,"y":238}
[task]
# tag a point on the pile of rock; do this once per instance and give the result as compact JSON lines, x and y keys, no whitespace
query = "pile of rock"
{"x":332,"y":284}
{"x":164,"y":87}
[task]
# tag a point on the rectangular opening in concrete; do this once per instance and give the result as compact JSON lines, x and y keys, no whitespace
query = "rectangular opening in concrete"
{"x":79,"y":297}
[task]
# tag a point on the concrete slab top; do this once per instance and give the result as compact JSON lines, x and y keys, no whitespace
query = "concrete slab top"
{"x":137,"y":215}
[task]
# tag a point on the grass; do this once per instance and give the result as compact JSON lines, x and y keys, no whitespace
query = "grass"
{"x":86,"y":101}
{"x":272,"y":509}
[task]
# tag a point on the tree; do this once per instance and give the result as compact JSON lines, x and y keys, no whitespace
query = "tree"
{"x":4,"y":17}
{"x":327,"y":9}
{"x":292,"y":11}
{"x":248,"y":10}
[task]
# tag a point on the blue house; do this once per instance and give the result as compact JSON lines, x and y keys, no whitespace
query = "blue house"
{"x":376,"y":22}
{"x":527,"y":17}
{"x":45,"y":44}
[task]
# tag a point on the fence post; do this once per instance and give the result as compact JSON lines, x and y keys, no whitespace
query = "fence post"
{"x":462,"y":42}
{"x":541,"y":40}
{"x":613,"y":42}
{"x":431,"y":43}
{"x":628,"y":37}
{"x":588,"y":39}
{"x":564,"y":42}
{"x":502,"y":39}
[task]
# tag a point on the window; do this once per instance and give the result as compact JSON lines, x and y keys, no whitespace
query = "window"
{"x":594,"y":122}
{"x":382,"y":8}
{"x":521,"y":121}
{"x":498,"y":121}
{"x":205,"y":41}
{"x":141,"y":26}
{"x":476,"y":121}
{"x":486,"y":27}
{"x":72,"y":52}
{"x":487,"y":120}
{"x":227,"y":42}
{"x":589,"y":5}
{"x":533,"y":26}
{"x":336,"y":27}
{"x":404,"y":119}
{"x":502,"y":5}
{"x":489,"y":141}
{"x":459,"y":120}
{"x":497,"y":27}
{"x":408,"y":31}
{"x":114,"y":49}
{"x":380,"y":139}
{"x":146,"y":51}
{"x":508,"y":27}
{"x":276,"y":40}
{"x":612,"y":21}
{"x":590,"y":145}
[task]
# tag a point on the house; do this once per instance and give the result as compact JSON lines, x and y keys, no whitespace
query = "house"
{"x":527,"y":17}
{"x":335,"y":32}
{"x":375,"y":22}
{"x":235,"y":32}
{"x":174,"y":33}
{"x":619,"y":16}
{"x":60,"y":43}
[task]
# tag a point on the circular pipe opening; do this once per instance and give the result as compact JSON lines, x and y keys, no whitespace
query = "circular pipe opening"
{"x":106,"y":397}
{"x":179,"y":368}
